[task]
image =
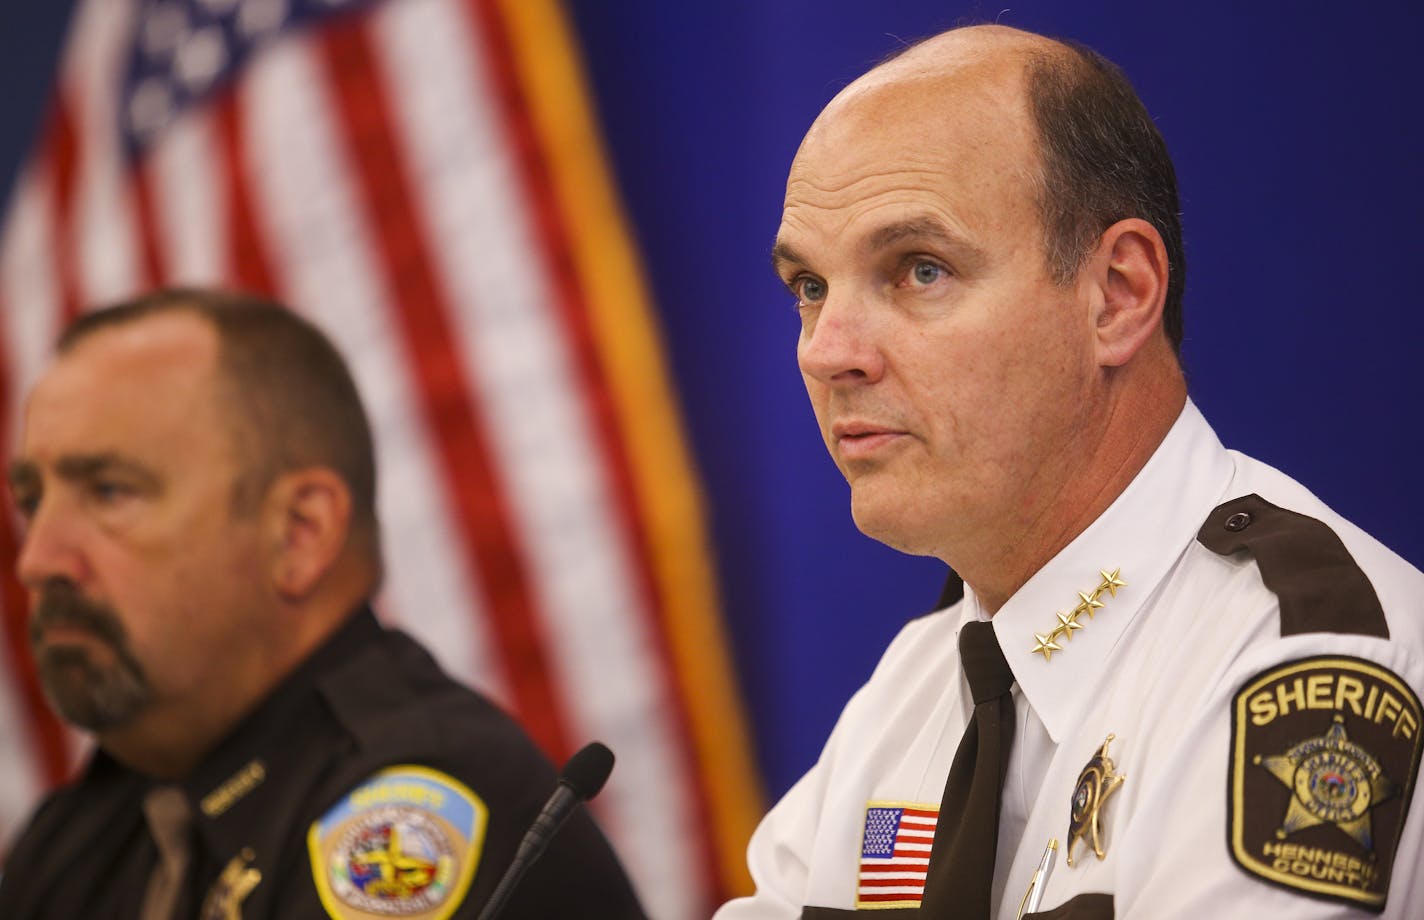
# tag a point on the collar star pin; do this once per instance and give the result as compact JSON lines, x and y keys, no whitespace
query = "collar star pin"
{"x":1096,"y":784}
{"x":1046,"y":644}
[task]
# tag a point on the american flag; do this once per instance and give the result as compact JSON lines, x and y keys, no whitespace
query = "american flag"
{"x":424,"y":180}
{"x":895,"y":855}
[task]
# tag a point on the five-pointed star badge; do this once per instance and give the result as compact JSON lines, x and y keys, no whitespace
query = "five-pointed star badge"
{"x":1335,"y":781}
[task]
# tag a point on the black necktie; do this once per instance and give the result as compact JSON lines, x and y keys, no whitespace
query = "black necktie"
{"x":961,"y":870}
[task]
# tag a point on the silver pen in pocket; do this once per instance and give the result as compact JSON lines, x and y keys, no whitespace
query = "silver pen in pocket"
{"x":1034,"y":896}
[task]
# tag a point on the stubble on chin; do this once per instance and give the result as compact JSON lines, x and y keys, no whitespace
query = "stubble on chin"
{"x":91,"y":691}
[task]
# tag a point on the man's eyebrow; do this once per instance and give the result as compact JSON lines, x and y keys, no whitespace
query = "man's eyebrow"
{"x":918,"y":228}
{"x":928,"y":229}
{"x":782,"y":254}
{"x":24,"y":474}
{"x":87,"y":466}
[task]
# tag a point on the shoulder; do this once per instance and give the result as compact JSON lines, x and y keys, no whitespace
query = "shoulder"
{"x":440,"y":770}
{"x":923,"y":642}
{"x":1326,"y":574}
{"x":52,"y":817}
{"x":403,"y":717}
{"x":394,"y":702}
{"x":66,"y":836}
{"x":1323,"y":704}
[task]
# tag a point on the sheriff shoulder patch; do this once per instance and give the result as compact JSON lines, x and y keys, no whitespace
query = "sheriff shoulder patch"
{"x":405,"y":843}
{"x":1324,"y":754}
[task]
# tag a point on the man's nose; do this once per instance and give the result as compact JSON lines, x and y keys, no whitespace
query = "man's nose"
{"x":51,"y":547}
{"x":839,"y":343}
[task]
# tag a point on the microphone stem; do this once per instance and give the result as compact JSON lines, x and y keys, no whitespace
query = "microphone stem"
{"x":556,"y":811}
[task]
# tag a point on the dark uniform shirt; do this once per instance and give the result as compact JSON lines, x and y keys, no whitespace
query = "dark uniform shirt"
{"x":275,"y":817}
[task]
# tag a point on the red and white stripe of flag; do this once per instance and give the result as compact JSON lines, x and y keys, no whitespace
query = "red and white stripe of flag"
{"x":375,"y":174}
{"x":900,"y":877}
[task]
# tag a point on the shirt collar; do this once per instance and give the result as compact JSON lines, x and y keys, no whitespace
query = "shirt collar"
{"x":1139,"y":537}
{"x":252,"y":760}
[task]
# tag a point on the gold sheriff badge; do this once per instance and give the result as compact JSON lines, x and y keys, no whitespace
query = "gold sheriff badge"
{"x":1096,"y":784}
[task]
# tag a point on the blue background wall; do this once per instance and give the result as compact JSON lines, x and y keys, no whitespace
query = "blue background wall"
{"x":1295,"y":129}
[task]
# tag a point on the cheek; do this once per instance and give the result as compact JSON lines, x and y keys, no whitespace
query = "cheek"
{"x":990,"y":392}
{"x":819,"y":396}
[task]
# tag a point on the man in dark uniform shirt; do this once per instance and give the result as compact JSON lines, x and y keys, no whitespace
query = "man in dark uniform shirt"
{"x":197,"y":479}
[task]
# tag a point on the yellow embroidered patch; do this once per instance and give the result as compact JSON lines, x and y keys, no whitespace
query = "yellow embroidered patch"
{"x":1324,"y":755}
{"x":405,"y":843}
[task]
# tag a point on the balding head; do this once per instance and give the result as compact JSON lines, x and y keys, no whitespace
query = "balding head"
{"x":1098,"y":157}
{"x":981,"y":50}
{"x":976,"y":294}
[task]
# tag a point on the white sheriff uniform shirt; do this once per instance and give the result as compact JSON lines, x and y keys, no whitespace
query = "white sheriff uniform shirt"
{"x":1266,"y":766}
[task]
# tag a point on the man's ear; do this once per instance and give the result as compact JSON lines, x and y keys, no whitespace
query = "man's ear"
{"x":1130,"y":265}
{"x":307,"y":520}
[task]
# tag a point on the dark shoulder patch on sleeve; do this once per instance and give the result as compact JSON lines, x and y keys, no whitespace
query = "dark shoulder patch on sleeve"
{"x":1320,"y":586}
{"x":1324,"y":756}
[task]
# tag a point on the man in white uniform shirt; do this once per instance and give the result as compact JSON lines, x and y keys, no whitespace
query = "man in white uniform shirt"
{"x":1214,"y":704}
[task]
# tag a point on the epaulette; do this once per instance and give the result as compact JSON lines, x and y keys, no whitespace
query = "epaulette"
{"x":1318,"y":583}
{"x":1325,"y":748}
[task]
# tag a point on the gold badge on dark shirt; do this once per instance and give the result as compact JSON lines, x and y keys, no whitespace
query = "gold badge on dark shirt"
{"x":1324,"y":753}
{"x":234,"y":788}
{"x":1096,"y":784}
{"x":224,"y":900}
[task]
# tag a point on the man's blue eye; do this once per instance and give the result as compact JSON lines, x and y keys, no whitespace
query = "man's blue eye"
{"x":109,"y":491}
{"x":927,"y":272}
{"x":811,"y":290}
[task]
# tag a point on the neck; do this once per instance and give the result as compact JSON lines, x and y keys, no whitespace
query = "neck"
{"x":1075,"y":490}
{"x":171,"y":738}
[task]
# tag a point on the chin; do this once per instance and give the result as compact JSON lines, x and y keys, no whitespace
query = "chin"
{"x":897,"y":523}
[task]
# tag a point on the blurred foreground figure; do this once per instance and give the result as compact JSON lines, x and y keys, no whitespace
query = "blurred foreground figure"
{"x":197,"y":481}
{"x":1173,"y":683}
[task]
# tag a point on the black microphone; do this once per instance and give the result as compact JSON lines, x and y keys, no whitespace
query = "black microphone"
{"x":582,"y":778}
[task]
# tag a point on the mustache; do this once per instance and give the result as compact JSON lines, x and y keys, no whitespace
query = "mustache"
{"x":61,"y":604}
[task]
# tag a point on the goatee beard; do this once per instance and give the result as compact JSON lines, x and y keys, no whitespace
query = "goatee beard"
{"x":90,"y":693}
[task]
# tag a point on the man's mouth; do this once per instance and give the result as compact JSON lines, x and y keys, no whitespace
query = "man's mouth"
{"x":66,"y":634}
{"x":63,"y":617}
{"x":862,"y":440}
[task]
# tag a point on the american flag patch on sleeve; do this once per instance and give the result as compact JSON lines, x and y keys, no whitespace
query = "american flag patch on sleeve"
{"x":895,"y":854}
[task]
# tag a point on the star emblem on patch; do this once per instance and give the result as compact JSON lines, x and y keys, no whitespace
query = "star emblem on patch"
{"x":1335,"y":782}
{"x":1324,"y":754}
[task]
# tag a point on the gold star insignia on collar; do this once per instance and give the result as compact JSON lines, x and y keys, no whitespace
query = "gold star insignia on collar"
{"x":1046,"y":645}
{"x":1096,"y":784}
{"x":1088,"y":601}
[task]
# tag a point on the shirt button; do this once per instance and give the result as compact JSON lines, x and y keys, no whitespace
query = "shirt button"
{"x":1238,"y":521}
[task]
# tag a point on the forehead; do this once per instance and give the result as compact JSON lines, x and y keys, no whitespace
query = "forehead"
{"x":954,"y":143}
{"x":147,"y":384}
